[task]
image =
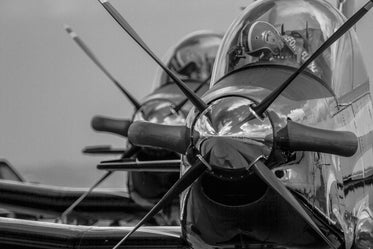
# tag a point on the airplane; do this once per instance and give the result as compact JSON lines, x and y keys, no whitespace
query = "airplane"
{"x":192,"y":58}
{"x":282,"y":130}
{"x":276,"y":152}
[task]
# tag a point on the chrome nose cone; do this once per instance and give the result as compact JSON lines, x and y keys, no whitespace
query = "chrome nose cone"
{"x":225,"y":137}
{"x":229,"y":153}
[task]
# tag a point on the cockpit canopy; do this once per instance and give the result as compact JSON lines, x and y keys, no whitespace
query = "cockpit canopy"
{"x":287,"y":32}
{"x":192,"y":58}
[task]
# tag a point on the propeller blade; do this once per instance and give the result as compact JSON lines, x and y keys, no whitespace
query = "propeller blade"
{"x":141,"y":166}
{"x":197,"y":102}
{"x":298,"y":137}
{"x":267,"y":176}
{"x":101,"y":149}
{"x":182,"y":103}
{"x":116,"y":126}
{"x":91,"y":55}
{"x":267,"y":101}
{"x":63,"y":216}
{"x":183,"y":183}
{"x":171,"y":137}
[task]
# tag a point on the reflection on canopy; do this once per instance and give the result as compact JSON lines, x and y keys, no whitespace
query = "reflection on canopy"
{"x":287,"y":32}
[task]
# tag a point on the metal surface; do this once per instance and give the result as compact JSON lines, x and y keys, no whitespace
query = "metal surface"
{"x":219,"y":133}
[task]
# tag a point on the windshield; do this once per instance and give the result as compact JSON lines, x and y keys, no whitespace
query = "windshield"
{"x":286,"y":33}
{"x":192,"y":58}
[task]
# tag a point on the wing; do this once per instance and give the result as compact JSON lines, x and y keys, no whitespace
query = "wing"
{"x":46,"y":201}
{"x":51,"y":201}
{"x":34,"y":234}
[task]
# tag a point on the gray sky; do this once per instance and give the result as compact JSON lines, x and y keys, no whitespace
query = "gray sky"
{"x":50,"y":90}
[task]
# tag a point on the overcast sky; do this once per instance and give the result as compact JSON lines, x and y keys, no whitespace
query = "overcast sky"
{"x":50,"y":90}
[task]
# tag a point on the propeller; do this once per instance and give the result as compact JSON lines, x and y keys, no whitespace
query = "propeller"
{"x":293,"y":137}
{"x":195,"y":171}
{"x":142,"y":129}
{"x":197,"y":102}
{"x":92,"y":56}
{"x":267,"y":101}
{"x":182,"y":103}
